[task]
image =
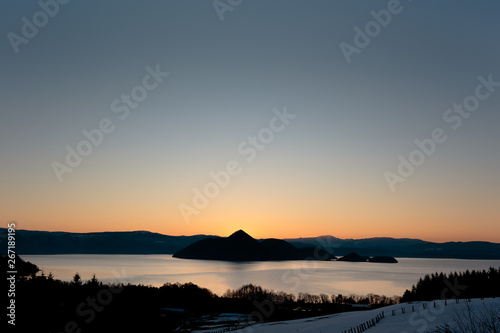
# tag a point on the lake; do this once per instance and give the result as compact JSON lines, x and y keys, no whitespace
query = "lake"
{"x":314,"y":277}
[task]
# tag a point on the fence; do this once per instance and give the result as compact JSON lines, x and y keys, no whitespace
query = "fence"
{"x":370,"y":323}
{"x":366,"y":325}
{"x":227,"y":329}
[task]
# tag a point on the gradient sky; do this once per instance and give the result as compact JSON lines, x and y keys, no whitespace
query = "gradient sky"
{"x":323,"y":174}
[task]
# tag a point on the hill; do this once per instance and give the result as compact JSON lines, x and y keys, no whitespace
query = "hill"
{"x":424,"y":318}
{"x":126,"y":242}
{"x":402,"y":247}
{"x":242,"y":247}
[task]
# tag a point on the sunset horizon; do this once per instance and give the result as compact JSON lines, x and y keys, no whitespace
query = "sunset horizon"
{"x":345,"y":154}
{"x":319,"y":134}
{"x":258,"y":235}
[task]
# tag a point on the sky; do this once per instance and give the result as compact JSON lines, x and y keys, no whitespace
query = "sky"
{"x":282,"y":118}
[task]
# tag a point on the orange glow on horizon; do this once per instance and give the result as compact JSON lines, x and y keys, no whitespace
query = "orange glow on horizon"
{"x":265,"y":230}
{"x":277,"y":212}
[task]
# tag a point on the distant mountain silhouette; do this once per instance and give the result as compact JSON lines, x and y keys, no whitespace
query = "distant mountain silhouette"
{"x":403,"y":247}
{"x":115,"y":242}
{"x":145,"y":242}
{"x":242,"y":247}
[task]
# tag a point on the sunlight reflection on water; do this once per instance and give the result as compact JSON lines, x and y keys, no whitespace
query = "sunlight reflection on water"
{"x":290,"y":276}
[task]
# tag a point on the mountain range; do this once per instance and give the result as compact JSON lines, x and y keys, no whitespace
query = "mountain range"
{"x":145,"y":242}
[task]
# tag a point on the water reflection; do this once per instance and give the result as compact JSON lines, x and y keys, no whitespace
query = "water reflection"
{"x":289,"y":276}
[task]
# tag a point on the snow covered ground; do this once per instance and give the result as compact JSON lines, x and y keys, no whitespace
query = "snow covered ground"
{"x":219,"y":323}
{"x":424,"y":318}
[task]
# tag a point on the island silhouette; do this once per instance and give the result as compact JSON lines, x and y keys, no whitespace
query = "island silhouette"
{"x":240,"y":246}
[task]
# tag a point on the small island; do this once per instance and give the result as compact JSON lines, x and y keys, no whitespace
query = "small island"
{"x":354,"y":257}
{"x":384,"y":259}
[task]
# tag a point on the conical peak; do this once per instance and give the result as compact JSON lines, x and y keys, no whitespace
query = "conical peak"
{"x":240,"y":234}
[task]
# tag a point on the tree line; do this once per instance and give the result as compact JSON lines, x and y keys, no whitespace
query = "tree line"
{"x":468,"y":284}
{"x":46,"y":304}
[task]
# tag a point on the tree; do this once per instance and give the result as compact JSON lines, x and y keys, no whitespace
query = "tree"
{"x":77,"y":280}
{"x":469,"y":320}
{"x":324,"y":298}
{"x":94,"y":282}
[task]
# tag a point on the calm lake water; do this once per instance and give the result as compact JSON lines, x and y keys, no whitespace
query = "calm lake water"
{"x":313,"y":277}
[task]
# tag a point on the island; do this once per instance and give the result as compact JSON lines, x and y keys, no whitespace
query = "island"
{"x":240,"y":246}
{"x":354,"y":257}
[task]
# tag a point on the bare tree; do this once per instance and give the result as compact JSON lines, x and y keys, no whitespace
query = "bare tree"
{"x":468,"y":320}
